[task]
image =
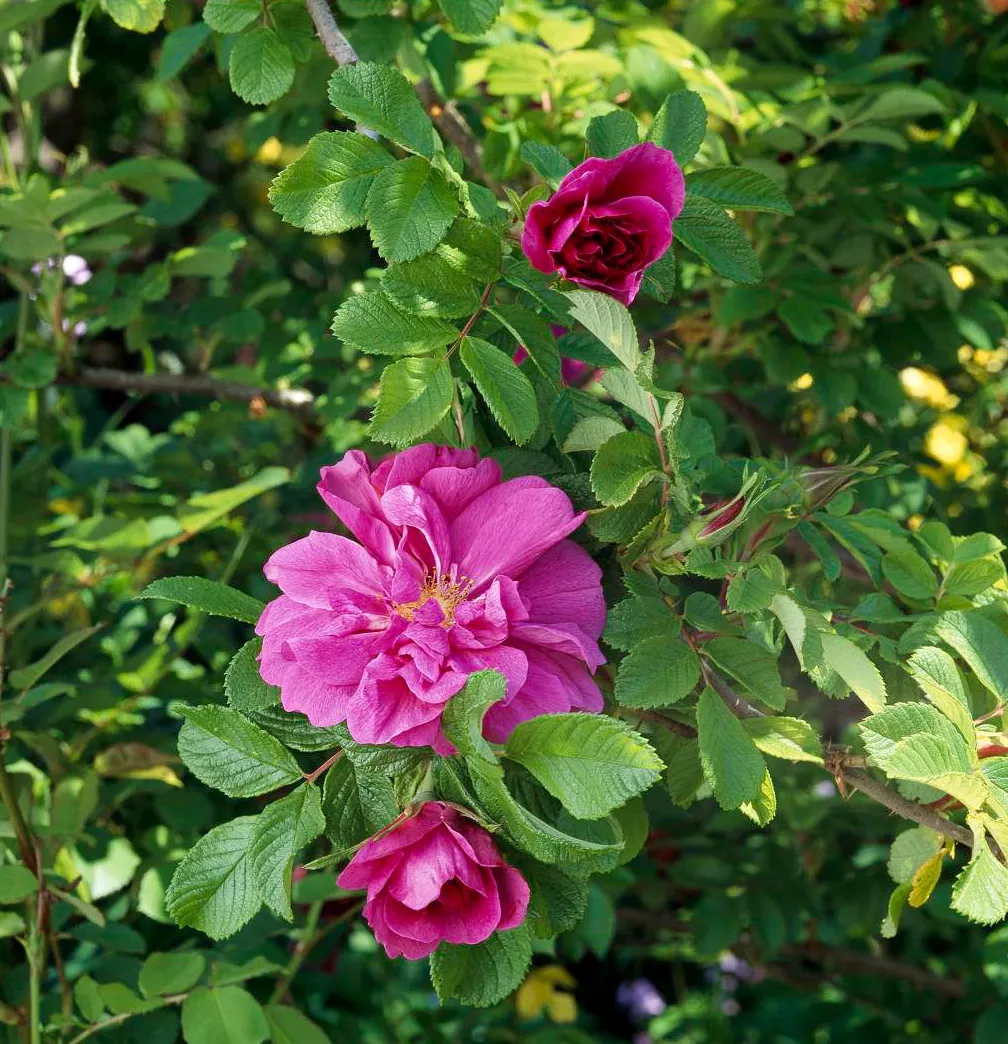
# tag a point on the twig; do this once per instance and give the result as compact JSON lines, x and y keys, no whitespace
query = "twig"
{"x":846,"y":961}
{"x":115,"y":1020}
{"x":297,"y":400}
{"x":310,"y":777}
{"x":853,"y":962}
{"x":895,"y":802}
{"x":310,"y":938}
{"x":454,"y":129}
{"x":336,"y":44}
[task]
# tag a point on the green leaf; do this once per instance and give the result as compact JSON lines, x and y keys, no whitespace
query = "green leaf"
{"x":609,"y":321}
{"x":611,"y":134}
{"x":165,"y":973}
{"x":231,"y":16}
{"x":139,"y":16}
{"x":290,"y":1026}
{"x":763,"y":807}
{"x":680,"y":125}
{"x":223,"y":1015}
{"x":789,"y":738}
{"x":856,"y":669}
{"x":752,"y":666}
{"x":432,"y":285}
{"x":809,"y":323}
{"x":381,"y":99}
{"x":223,"y":749}
{"x":738,"y":189}
{"x":410,"y":207}
{"x":909,"y":574}
{"x":356,"y":803}
{"x":413,"y":396}
{"x":324,"y":189}
{"x":26,"y":677}
{"x":546,"y":160}
{"x":711,"y":234}
{"x":792,"y":619}
{"x":751,"y":590}
{"x":937,"y":675}
{"x":207,"y":596}
{"x":684,"y":773}
{"x":179,"y":48}
{"x":590,"y":433}
{"x":505,"y":389}
{"x":732,"y":765}
{"x":243,"y":684}
{"x":590,"y":763}
{"x":533,"y":333}
{"x":261,"y":66}
{"x":16,"y":883}
{"x":660,"y":278}
{"x":370,"y":322}
{"x":213,"y":888}
{"x":980,"y":892}
{"x":911,"y":850}
{"x":473,"y":17}
{"x":658,"y":672}
{"x":462,"y":719}
{"x":622,"y":465}
{"x":901,"y":103}
{"x":483,"y":974}
{"x":982,"y":644}
{"x":282,"y":829}
{"x":557,"y":900}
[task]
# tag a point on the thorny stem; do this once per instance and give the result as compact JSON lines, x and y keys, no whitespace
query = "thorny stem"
{"x":471,"y":321}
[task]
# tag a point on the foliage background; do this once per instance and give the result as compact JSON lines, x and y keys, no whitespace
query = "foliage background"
{"x":871,"y":328}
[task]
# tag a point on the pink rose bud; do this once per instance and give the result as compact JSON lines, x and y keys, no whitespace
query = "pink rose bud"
{"x":723,"y":517}
{"x":435,"y":877}
{"x":608,"y":221}
{"x":452,"y":571}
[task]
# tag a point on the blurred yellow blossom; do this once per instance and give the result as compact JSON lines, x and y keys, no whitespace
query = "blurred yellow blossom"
{"x":945,"y":442}
{"x":802,"y":383}
{"x":961,"y":276}
{"x":544,"y":991}
{"x":927,"y":387}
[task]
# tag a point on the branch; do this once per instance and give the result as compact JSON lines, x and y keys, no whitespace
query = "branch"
{"x":336,"y":44}
{"x":895,"y":802}
{"x":853,"y":962}
{"x":456,"y":131}
{"x":298,"y":400}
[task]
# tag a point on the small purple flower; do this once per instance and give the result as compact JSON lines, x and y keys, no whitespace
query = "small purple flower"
{"x":641,"y":999}
{"x":75,"y":270}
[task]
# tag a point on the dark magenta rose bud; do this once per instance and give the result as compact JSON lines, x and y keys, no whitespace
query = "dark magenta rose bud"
{"x":608,"y":221}
{"x":435,"y":877}
{"x":723,"y":515}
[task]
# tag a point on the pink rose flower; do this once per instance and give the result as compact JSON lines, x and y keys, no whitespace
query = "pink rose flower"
{"x":571,"y":370}
{"x":455,"y":571}
{"x":435,"y":877}
{"x":608,"y":220}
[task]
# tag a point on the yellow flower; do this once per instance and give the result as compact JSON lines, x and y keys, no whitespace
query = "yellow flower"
{"x":802,"y":383}
{"x":269,"y":152}
{"x":961,"y":276}
{"x":544,"y":991}
{"x":927,"y":387}
{"x":945,"y":443}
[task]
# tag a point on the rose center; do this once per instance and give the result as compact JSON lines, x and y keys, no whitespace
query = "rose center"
{"x":448,"y":591}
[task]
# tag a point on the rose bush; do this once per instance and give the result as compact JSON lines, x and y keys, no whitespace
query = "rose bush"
{"x":413,"y":700}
